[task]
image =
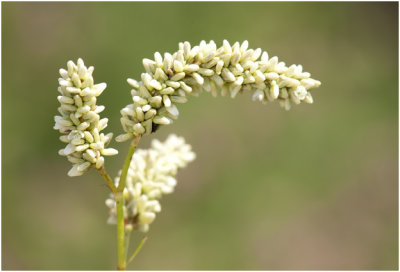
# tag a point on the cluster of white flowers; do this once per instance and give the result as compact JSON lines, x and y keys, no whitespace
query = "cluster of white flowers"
{"x":231,"y":69}
{"x":151,"y":174}
{"x":80,"y":119}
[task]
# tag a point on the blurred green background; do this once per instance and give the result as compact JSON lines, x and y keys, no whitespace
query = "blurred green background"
{"x":312,"y":188}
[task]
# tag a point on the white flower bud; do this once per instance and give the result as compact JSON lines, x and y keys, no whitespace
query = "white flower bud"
{"x":271,"y":76}
{"x":178,"y":76}
{"x":309,"y":83}
{"x":81,"y":148}
{"x":100,"y":162}
{"x":139,"y":114}
{"x":158,"y":59}
{"x":150,"y":113}
{"x":185,"y":87}
{"x":172,"y":84}
{"x":192,"y":68}
{"x":155,"y":101}
{"x":149,"y":65}
{"x":300,"y":92}
{"x":199,"y":79}
{"x":308,"y":99}
{"x":74,"y":171}
{"x":178,"y":99}
{"x":168,"y":61}
{"x":65,"y":100}
{"x":69,"y":149}
{"x":109,"y":152}
{"x":238,"y":81}
{"x":133,"y":83}
{"x":218,"y":68}
{"x":161,"y":120}
{"x":146,"y":217}
{"x":123,"y":137}
{"x":75,"y":160}
{"x":155,"y":84}
{"x":258,"y":95}
{"x":274,"y":90}
{"x":140,"y":100}
{"x":83,"y":166}
{"x":178,"y":67}
{"x":168,"y":90}
{"x":227,"y":75}
{"x":138,"y":128}
{"x":206,"y":72}
{"x":166,"y":101}
{"x":234,"y":90}
{"x":173,"y":110}
{"x":244,"y":46}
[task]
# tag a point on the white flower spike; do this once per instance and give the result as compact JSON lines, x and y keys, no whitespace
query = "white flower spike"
{"x":80,"y":120}
{"x":231,"y":69}
{"x":151,"y":174}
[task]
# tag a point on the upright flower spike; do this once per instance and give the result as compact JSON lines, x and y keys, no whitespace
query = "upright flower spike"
{"x":80,"y":120}
{"x":231,"y":69}
{"x":151,"y":174}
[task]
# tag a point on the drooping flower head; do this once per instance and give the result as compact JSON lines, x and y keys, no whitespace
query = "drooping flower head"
{"x":229,"y":69}
{"x":80,"y":120}
{"x":151,"y":174}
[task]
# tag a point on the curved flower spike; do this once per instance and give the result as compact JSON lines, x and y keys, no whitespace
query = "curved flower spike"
{"x":171,"y":80}
{"x":151,"y":174}
{"x":80,"y":119}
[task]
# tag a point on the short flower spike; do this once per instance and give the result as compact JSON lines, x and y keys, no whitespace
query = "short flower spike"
{"x":231,"y":69}
{"x":80,"y":120}
{"x":151,"y":174}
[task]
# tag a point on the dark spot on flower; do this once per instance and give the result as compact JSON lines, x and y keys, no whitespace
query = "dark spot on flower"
{"x":154,"y":127}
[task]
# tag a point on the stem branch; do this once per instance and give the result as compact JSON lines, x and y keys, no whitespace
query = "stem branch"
{"x":137,"y":249}
{"x":108,"y":179}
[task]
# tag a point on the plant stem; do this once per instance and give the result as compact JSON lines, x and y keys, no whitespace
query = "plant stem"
{"x":118,"y":195}
{"x":137,"y":249}
{"x":108,"y":179}
{"x":120,"y":231}
{"x":127,"y":162}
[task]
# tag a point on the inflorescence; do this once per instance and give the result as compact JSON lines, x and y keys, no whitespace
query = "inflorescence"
{"x":231,"y":69}
{"x":151,"y":174}
{"x":167,"y":81}
{"x":80,"y":120}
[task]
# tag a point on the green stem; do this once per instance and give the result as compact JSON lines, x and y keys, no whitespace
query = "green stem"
{"x":137,"y":249}
{"x":120,"y":231}
{"x":127,"y":162}
{"x":108,"y":179}
{"x":118,"y":194}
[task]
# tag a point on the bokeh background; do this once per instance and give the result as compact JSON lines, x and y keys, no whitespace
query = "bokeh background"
{"x":312,"y":188}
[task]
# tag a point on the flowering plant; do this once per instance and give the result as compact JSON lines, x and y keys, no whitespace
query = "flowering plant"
{"x":167,"y":81}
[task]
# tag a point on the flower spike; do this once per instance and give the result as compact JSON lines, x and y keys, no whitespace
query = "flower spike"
{"x":232,"y":69}
{"x":151,"y":174}
{"x":80,"y":120}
